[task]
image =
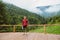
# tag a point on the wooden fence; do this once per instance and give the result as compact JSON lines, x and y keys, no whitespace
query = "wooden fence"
{"x":14,"y":26}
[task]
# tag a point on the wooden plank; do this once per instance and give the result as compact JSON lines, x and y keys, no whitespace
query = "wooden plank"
{"x":32,"y":25}
{"x":44,"y":29}
{"x":14,"y":28}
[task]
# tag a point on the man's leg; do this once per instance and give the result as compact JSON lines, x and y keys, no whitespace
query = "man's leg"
{"x":24,"y":30}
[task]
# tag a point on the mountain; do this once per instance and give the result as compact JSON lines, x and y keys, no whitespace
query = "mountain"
{"x":43,"y":8}
{"x":49,"y":11}
{"x":15,"y":15}
{"x":12,"y":14}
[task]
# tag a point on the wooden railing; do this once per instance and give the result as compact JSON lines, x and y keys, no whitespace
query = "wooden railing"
{"x":14,"y":26}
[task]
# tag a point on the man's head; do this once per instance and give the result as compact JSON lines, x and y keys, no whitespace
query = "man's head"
{"x":24,"y":17}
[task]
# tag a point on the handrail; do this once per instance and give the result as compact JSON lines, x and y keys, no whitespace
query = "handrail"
{"x":31,"y":25}
{"x":14,"y":26}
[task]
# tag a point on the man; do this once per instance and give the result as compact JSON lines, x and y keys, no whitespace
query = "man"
{"x":24,"y":24}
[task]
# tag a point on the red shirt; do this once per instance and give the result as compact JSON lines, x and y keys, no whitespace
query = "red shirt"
{"x":24,"y":22}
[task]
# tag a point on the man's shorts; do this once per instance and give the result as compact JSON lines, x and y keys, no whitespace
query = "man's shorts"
{"x":24,"y":27}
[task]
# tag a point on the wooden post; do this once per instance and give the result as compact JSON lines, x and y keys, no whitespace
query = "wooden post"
{"x":44,"y":29}
{"x":14,"y":28}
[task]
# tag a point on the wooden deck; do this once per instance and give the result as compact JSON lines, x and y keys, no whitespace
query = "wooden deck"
{"x":28,"y":36}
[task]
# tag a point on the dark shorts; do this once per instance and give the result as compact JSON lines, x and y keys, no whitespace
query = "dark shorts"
{"x":24,"y":27}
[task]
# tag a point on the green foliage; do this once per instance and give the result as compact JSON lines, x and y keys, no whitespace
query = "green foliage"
{"x":6,"y":29}
{"x":54,"y":19}
{"x":2,"y":13}
{"x":15,"y":15}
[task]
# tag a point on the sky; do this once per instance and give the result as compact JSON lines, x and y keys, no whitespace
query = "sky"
{"x":32,"y":4}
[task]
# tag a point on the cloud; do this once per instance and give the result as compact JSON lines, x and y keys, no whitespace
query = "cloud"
{"x":54,"y":8}
{"x":31,"y":4}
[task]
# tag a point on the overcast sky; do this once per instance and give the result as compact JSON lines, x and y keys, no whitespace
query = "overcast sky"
{"x":30,"y":4}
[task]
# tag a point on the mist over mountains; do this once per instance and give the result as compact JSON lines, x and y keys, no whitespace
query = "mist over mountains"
{"x":49,"y":11}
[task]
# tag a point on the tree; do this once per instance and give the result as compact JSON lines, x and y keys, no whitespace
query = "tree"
{"x":2,"y":13}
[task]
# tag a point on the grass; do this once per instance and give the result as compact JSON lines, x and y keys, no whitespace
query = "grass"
{"x":53,"y":29}
{"x":39,"y":29}
{"x":49,"y":29}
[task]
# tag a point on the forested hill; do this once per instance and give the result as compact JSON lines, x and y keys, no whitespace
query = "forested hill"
{"x":11,"y":14}
{"x":14,"y":15}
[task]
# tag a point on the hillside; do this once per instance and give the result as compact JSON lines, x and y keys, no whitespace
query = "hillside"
{"x":54,"y":19}
{"x":11,"y":14}
{"x":15,"y":15}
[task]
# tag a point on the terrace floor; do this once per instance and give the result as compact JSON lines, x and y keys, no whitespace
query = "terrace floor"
{"x":28,"y":36}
